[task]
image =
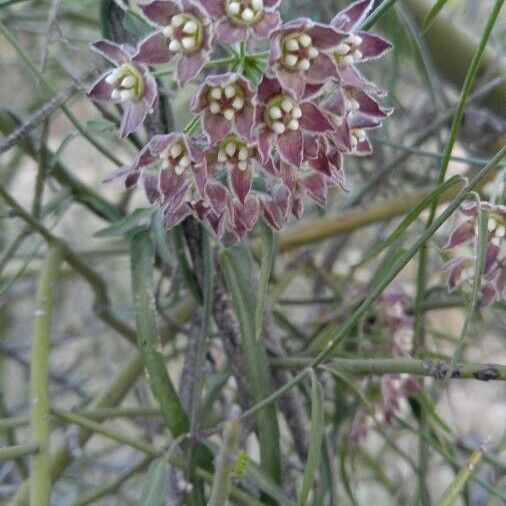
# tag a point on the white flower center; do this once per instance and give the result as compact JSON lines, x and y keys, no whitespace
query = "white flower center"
{"x":235,"y":153}
{"x":282,"y":114}
{"x":226,"y":100}
{"x":175,"y":157}
{"x":298,"y":52}
{"x":245,"y":12}
{"x":184,"y":33}
{"x":357,"y":135}
{"x":127,"y":81}
{"x":348,"y":51}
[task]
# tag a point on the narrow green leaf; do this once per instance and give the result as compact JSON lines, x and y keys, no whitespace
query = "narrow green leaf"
{"x":236,"y":266}
{"x":142,"y":260}
{"x":316,"y":439}
{"x":154,"y":490}
{"x":269,"y":249}
{"x":136,"y":25}
{"x":479,"y":266}
{"x":453,"y":491}
{"x":100,"y":125}
{"x":137,"y":219}
{"x":436,"y":9}
{"x":222,"y":481}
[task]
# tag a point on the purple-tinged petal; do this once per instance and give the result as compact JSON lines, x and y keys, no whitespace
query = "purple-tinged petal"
{"x":229,"y":33}
{"x":316,"y":188}
{"x":373,"y":46}
{"x":288,"y":176}
{"x":325,"y":37}
{"x":368,"y":105}
{"x":322,"y":68}
{"x":173,"y":188}
{"x":298,"y":207}
{"x":321,"y":162}
{"x":364,"y":148}
{"x":189,"y":66}
{"x":215,"y":126}
{"x":359,"y":120}
{"x":272,"y":213}
{"x":335,"y":104}
{"x":271,"y":4}
{"x":196,"y":154}
{"x":290,"y":146}
{"x":469,"y":208}
{"x":101,"y":90}
{"x":244,"y":122}
{"x":351,"y":77}
{"x":310,"y":147}
{"x":488,"y":294}
{"x":292,"y":81}
{"x":491,"y":257}
{"x":217,"y":223}
{"x":150,"y":182}
{"x":265,"y":139}
{"x":341,"y":137}
{"x":200,"y":176}
{"x":248,"y":212}
{"x":153,"y":49}
{"x":313,"y":119}
{"x":455,"y":268}
{"x":460,"y":235}
{"x":269,"y":22}
{"x":121,"y":172}
{"x":214,"y":7}
{"x":112,"y":51}
{"x":311,"y":90}
{"x":150,"y":94}
{"x":352,"y":16}
{"x":218,"y":197}
{"x":134,"y":115}
{"x":159,"y":143}
{"x":240,"y":181}
{"x":173,"y":217}
{"x":281,"y":196}
{"x":132,"y":179}
{"x":268,"y":88}
{"x":160,"y":12}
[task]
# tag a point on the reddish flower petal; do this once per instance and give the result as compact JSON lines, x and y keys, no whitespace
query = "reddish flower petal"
{"x":173,"y":217}
{"x":215,"y":126}
{"x":112,"y":51}
{"x":248,"y":212}
{"x":229,"y":33}
{"x":160,"y":12}
{"x":132,"y":179}
{"x":268,"y":88}
{"x":240,"y":181}
{"x":491,"y":257}
{"x":364,"y":148}
{"x":373,"y":46}
{"x":269,"y":22}
{"x":311,"y":90}
{"x":265,"y":139}
{"x":214,"y":7}
{"x":313,"y":119}
{"x":159,"y":143}
{"x":369,"y":106}
{"x":244,"y":122}
{"x":101,"y":90}
{"x":316,"y":188}
{"x":281,"y":196}
{"x":488,"y":294}
{"x":292,"y":81}
{"x":341,"y":137}
{"x":272,"y":213}
{"x":271,"y":4}
{"x":322,"y":68}
{"x":325,"y":37}
{"x":460,"y":235}
{"x":173,"y":187}
{"x":352,"y":16}
{"x":189,"y":66}
{"x":290,"y":147}
{"x":335,"y":104}
{"x":218,"y":197}
{"x":359,"y":120}
{"x":153,"y":49}
{"x":150,"y":90}
{"x":200,"y":176}
{"x":150,"y":182}
{"x":455,"y":268}
{"x":351,"y":77}
{"x":134,"y":115}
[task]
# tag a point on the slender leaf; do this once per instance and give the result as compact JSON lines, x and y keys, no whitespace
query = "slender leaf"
{"x":139,"y":218}
{"x":154,"y":490}
{"x":236,"y":266}
{"x":316,"y":439}
{"x":436,"y":9}
{"x":453,"y":491}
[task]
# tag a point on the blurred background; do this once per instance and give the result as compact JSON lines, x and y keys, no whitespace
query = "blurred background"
{"x":54,"y":172}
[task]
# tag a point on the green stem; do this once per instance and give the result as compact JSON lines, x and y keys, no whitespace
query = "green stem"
{"x":40,"y":477}
{"x":14,"y":452}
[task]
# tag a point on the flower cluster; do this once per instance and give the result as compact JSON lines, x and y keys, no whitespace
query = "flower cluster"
{"x":263,"y":145}
{"x":460,"y":269}
{"x":392,"y":316}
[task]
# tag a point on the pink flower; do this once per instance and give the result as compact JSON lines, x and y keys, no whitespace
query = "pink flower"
{"x":357,"y":46}
{"x":298,"y":54}
{"x":282,"y":119}
{"x":185,"y":34}
{"x":129,"y":84}
{"x":460,"y":268}
{"x":227,"y":102}
{"x":180,"y":178}
{"x":238,"y":18}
